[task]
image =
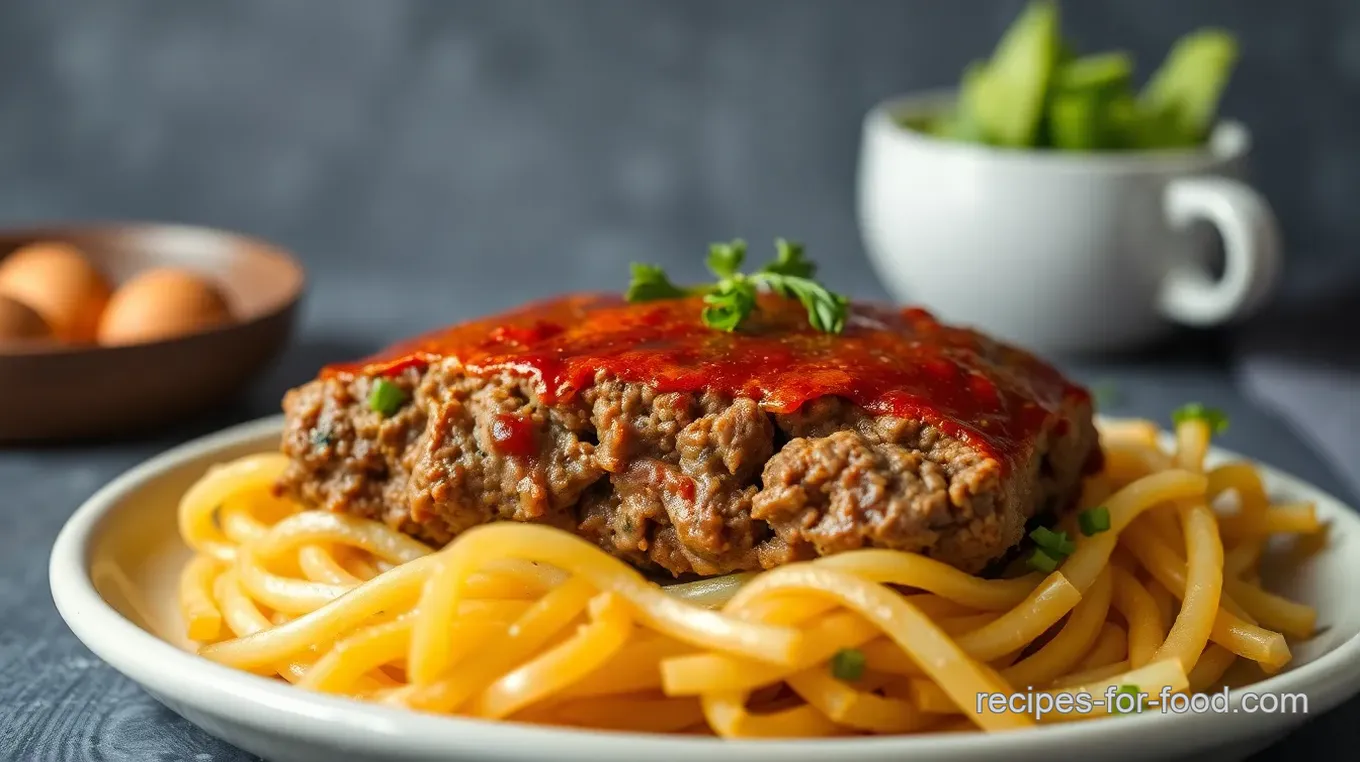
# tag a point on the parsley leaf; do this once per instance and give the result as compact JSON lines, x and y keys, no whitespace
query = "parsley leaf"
{"x":730,"y":301}
{"x":650,"y":283}
{"x":728,"y":306}
{"x":789,"y":260}
{"x":826,"y":311}
{"x":724,"y":259}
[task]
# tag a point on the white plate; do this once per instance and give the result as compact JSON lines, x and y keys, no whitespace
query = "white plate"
{"x":114,"y":570}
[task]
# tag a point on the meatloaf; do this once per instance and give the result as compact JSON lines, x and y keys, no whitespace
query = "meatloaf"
{"x":691,"y":451}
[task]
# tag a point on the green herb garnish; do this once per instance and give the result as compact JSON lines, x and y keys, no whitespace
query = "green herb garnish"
{"x":649,"y":283}
{"x":386,"y":398}
{"x":1039,"y":560}
{"x":848,"y":664}
{"x":1127,"y":689}
{"x":730,"y":301}
{"x":1216,"y":419}
{"x":1056,"y":544}
{"x":1093,"y":521}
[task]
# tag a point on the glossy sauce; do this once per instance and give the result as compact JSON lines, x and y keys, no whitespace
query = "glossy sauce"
{"x":889,"y":361}
{"x":514,"y":435}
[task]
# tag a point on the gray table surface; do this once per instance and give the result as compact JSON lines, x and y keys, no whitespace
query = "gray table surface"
{"x":58,"y":702}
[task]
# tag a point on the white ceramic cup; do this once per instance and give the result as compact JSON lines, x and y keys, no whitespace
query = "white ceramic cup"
{"x":1058,"y":251}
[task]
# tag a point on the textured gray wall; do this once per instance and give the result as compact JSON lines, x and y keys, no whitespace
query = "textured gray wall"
{"x":459,"y":156}
{"x":501,"y":150}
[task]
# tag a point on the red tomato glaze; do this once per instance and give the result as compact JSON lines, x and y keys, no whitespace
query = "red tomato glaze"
{"x":514,"y":435}
{"x":892,"y":361}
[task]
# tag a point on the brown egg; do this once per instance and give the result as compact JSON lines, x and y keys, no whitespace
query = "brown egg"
{"x":160,"y":304}
{"x":21,"y":326}
{"x":58,"y":281}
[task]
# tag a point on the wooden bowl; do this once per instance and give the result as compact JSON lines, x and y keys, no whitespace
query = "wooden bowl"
{"x":68,"y":392}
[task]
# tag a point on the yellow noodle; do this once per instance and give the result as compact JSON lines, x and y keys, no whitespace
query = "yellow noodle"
{"x":1192,"y":443}
{"x":202,"y":618}
{"x":884,"y":655}
{"x":1065,"y":649}
{"x":1210,"y":667}
{"x":562,"y":665}
{"x":936,"y":577}
{"x":528,"y":623}
{"x":1142,"y":617}
{"x":726,"y":713}
{"x":1273,"y":611}
{"x":940,"y":657}
{"x":634,"y":668}
{"x":1092,"y":675}
{"x":728,"y":673}
{"x":1111,"y":645}
{"x":1297,"y":518}
{"x":1131,"y":431}
{"x":1093,"y":553}
{"x":1167,"y":605}
{"x":1012,"y":630}
{"x":1229,"y":629}
{"x":1203,"y":586}
{"x":1241,"y":560}
{"x":440,"y":692}
{"x":392,"y":590}
{"x":198,"y":506}
{"x":1149,"y":680}
{"x":320,"y":565}
{"x":856,"y":709}
{"x":573,"y":554}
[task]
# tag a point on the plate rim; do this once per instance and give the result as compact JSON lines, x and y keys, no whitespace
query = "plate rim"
{"x":163,"y":669}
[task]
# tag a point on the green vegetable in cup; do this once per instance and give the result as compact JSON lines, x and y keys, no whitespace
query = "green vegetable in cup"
{"x":1036,"y":91}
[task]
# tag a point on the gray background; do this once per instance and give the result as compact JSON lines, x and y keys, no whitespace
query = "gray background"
{"x":435,"y":160}
{"x":547,"y":143}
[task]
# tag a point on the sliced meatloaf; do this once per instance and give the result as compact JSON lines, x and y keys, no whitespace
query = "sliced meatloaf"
{"x":687,"y":451}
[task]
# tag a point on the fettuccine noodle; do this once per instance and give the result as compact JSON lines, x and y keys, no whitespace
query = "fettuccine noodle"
{"x":527,"y":623}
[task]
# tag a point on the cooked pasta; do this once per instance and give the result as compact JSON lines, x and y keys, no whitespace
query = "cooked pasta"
{"x":1153,"y":583}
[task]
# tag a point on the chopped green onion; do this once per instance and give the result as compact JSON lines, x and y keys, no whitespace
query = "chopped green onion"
{"x":1056,"y":543}
{"x":386,"y":397}
{"x":1041,"y":561}
{"x":1093,"y":521}
{"x":1044,"y":537}
{"x":848,"y":664}
{"x":1126,"y":689}
{"x":1216,"y":419}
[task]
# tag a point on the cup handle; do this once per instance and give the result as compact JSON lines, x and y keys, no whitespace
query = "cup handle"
{"x":1251,"y":246}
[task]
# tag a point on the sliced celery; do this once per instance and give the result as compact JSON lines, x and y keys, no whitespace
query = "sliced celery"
{"x":1012,"y":91}
{"x":1183,"y":94}
{"x":1074,"y":120}
{"x":1098,"y":72}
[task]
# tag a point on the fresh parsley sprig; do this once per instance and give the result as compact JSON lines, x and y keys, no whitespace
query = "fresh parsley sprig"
{"x":650,"y":283}
{"x":730,"y":301}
